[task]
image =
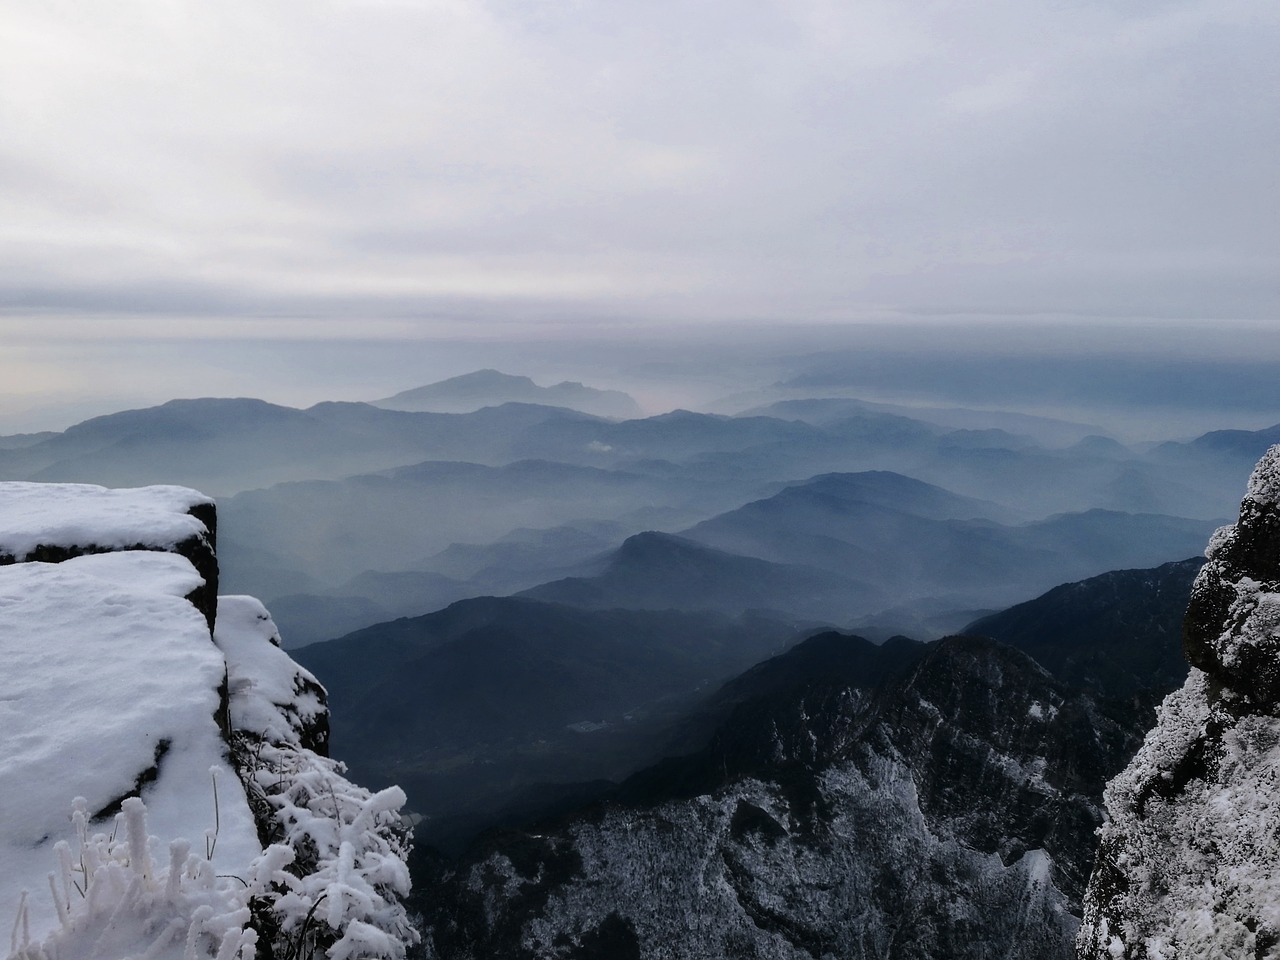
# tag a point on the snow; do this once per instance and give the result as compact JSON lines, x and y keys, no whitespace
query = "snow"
{"x":105,"y":666}
{"x":1253,"y":621}
{"x":1264,"y":484}
{"x":1203,"y":867}
{"x":114,"y":899}
{"x":1219,"y":540}
{"x":271,"y":695}
{"x":110,"y":703}
{"x":83,"y":515}
{"x":1192,"y":849}
{"x":340,"y":862}
{"x":1038,"y":711}
{"x":335,"y":873}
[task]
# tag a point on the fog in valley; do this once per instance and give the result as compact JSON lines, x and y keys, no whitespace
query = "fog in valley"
{"x":747,"y":491}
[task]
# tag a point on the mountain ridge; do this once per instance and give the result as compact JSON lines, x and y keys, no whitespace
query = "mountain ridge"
{"x":488,"y":387}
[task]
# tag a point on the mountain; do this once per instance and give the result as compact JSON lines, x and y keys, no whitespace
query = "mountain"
{"x":1188,"y":862}
{"x":1236,"y":443}
{"x":335,"y":530}
{"x":849,"y":799}
{"x":821,"y":410}
{"x":883,"y":488}
{"x":914,"y":541}
{"x":525,"y":556}
{"x":472,"y":706}
{"x":1119,"y":633}
{"x":657,"y":571}
{"x":858,"y":802}
{"x":489,"y":388}
{"x":372,"y":597}
{"x":229,"y":445}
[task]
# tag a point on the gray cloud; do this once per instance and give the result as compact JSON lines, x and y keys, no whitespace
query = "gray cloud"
{"x":802,"y":160}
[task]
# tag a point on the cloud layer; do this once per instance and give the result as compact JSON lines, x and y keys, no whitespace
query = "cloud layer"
{"x":452,"y":160}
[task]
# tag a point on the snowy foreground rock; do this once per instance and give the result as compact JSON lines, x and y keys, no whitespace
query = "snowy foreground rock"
{"x":163,"y":788}
{"x":1189,"y":864}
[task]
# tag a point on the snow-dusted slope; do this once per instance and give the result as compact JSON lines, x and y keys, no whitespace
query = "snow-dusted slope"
{"x":946,"y":813}
{"x":1189,"y":864}
{"x":121,"y":716}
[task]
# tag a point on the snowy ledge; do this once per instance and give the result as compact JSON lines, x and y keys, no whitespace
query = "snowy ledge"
{"x":120,"y":703}
{"x":56,"y":521}
{"x":96,"y":519}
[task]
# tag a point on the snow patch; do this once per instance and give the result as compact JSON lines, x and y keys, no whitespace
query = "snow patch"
{"x":81,"y":514}
{"x":114,"y":899}
{"x":113,"y":694}
{"x":271,"y":696}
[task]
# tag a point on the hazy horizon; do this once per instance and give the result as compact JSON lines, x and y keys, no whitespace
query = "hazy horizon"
{"x":1152,"y":380}
{"x":338,"y":201}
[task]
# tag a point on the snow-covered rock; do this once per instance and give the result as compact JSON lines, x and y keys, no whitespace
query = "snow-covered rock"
{"x":82,"y":518}
{"x":56,"y":521}
{"x":121,"y":713}
{"x":110,"y":689}
{"x":271,"y":696}
{"x":1189,"y":864}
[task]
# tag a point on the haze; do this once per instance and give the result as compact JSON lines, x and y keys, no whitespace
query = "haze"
{"x":302,"y":201}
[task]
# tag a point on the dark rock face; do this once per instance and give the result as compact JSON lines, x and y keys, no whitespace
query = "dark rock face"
{"x":1189,"y":860}
{"x":1117,"y":635}
{"x":946,"y":810}
{"x":1220,"y":636}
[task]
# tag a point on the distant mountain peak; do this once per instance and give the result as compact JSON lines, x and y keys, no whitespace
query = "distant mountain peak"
{"x":650,"y":542}
{"x":486,"y":379}
{"x":488,"y":387}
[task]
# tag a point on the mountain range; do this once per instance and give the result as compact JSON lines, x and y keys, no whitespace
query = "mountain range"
{"x":490,"y":388}
{"x":599,"y":655}
{"x":847,"y":799}
{"x":350,"y":514}
{"x":475,"y":706}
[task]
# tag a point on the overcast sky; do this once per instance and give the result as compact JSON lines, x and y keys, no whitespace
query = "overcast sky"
{"x":437,"y":168}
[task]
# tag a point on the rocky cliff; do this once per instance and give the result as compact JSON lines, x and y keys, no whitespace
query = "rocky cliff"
{"x":134,"y":699}
{"x":1189,"y":864}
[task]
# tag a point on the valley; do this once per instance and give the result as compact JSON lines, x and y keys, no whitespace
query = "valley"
{"x":568,"y":636}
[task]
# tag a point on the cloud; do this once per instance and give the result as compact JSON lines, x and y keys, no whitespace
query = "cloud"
{"x":802,"y":160}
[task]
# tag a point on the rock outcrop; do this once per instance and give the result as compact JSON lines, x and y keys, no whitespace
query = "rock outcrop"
{"x":1189,"y":863}
{"x":128,"y":685}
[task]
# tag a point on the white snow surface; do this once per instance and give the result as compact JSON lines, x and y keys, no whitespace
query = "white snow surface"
{"x":1252,"y":622}
{"x":105,"y":662}
{"x":1264,"y":484}
{"x":1194,"y":825}
{"x":82,"y":514}
{"x":116,"y":899}
{"x":1203,"y":868}
{"x":271,"y":696}
{"x":110,"y":705}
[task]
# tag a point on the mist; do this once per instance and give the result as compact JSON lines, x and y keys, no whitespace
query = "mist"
{"x":1140,"y":380}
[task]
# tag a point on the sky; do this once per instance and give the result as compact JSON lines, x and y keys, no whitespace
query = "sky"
{"x":185,"y":176}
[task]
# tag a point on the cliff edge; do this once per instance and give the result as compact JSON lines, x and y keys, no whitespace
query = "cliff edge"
{"x":1189,"y":862}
